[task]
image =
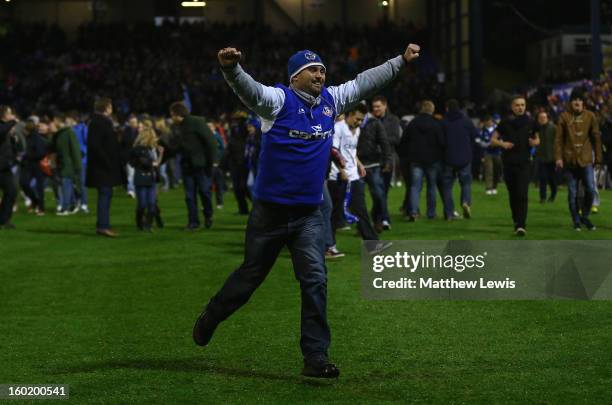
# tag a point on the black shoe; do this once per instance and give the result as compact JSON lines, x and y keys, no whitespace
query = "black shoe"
{"x":587,"y":223}
{"x":320,"y":367}
{"x":192,"y":227}
{"x":208,"y":222}
{"x":203,"y":329}
{"x":140,"y":218}
{"x":158,"y":219}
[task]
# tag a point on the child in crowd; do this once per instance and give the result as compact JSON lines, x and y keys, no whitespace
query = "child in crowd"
{"x":145,"y":157}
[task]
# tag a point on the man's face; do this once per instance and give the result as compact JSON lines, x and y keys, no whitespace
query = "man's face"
{"x":519,"y":105}
{"x":310,"y":80}
{"x":542,"y":118}
{"x":43,"y":128}
{"x":577,"y":105}
{"x":488,"y":123}
{"x":109,"y":110}
{"x":133,"y":122}
{"x":379,"y":109}
{"x":176,"y":119}
{"x":354,"y":119}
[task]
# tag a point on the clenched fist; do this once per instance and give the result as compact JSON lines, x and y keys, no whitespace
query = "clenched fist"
{"x":229,"y":57}
{"x":412,"y":52}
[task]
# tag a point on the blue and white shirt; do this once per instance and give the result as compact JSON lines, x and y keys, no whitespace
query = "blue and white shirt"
{"x":297,"y":130}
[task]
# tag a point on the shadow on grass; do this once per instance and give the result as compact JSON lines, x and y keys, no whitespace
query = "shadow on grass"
{"x":89,"y":233}
{"x":189,"y":365}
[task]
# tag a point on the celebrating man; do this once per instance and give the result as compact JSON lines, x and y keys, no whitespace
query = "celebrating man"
{"x":297,"y":127}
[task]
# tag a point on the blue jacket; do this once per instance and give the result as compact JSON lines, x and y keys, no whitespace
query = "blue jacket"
{"x":459,"y":132}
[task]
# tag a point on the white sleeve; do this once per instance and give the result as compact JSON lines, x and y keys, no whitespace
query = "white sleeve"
{"x":265,"y":101}
{"x":366,"y":84}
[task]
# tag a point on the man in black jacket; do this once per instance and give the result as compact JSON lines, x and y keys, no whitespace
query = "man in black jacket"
{"x":393,"y":130}
{"x":7,"y":157}
{"x":104,"y":162}
{"x":516,"y":135}
{"x":198,"y":149}
{"x":373,"y":150}
{"x":425,"y":146}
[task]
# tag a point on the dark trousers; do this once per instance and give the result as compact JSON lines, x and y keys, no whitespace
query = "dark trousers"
{"x":219,"y":182}
{"x":105,"y":195}
{"x":239,"y":183}
{"x":26,"y":174}
{"x":406,"y":204}
{"x":269,"y":229}
{"x":375,"y":181}
{"x":357,"y":207}
{"x":547,"y":177}
{"x":517,"y":182}
{"x":9,"y":195}
{"x":197,"y":183}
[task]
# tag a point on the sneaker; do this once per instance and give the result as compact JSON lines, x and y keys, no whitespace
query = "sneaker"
{"x":494,"y":191}
{"x":520,"y":231}
{"x":345,"y":228}
{"x":62,"y":213}
{"x":219,"y":206}
{"x":84,"y":209}
{"x":411,"y":218}
{"x":386,"y":225}
{"x":467,"y":211}
{"x":333,"y":253}
{"x":489,"y":192}
{"x":577,"y":227}
{"x":106,"y":232}
{"x":204,"y":328}
{"x":589,"y":225}
{"x":320,"y":367}
{"x":379,"y":247}
{"x":594,"y":210}
{"x":131,"y":194}
{"x":58,"y":208}
{"x":74,"y":210}
{"x":39,"y":213}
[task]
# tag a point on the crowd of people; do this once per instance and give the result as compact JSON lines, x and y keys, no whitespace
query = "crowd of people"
{"x":372,"y":148}
{"x":146,"y":67}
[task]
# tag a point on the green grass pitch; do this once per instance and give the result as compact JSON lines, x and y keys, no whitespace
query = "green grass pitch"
{"x":113,"y":318}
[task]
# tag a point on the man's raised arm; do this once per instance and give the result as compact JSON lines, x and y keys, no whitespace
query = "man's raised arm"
{"x":371,"y":81}
{"x":265,"y":101}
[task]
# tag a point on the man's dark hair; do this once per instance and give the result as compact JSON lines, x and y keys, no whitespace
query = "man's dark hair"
{"x":452,"y":105}
{"x":516,"y":97}
{"x":380,"y":98}
{"x":179,"y":108}
{"x":362,"y":108}
{"x":101,"y":104}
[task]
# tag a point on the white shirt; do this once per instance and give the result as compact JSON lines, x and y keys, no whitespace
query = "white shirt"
{"x":346,"y":142}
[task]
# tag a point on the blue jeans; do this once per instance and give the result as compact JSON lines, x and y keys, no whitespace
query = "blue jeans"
{"x":326,"y":210}
{"x":67,"y":197}
{"x":130,"y":177}
{"x":431,"y":173}
{"x":146,"y":197}
{"x":376,"y":184}
{"x":464,"y":175}
{"x":83,"y":188}
{"x":585,"y":175}
{"x":196,"y":182}
{"x":105,"y":194}
{"x":270,"y":228}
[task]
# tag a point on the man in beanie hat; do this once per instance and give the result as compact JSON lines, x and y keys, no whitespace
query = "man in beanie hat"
{"x":577,"y":147}
{"x":297,"y":129}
